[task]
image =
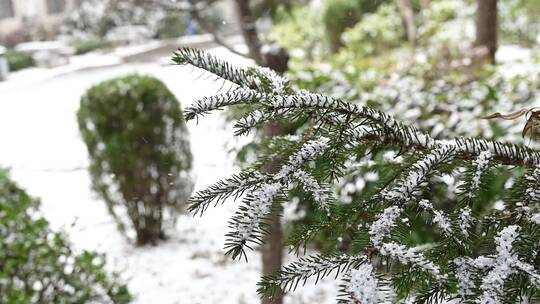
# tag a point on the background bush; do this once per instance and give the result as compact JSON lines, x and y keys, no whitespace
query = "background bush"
{"x":300,"y":29}
{"x":376,"y":32}
{"x":18,"y":61}
{"x":519,"y":21}
{"x":342,"y":14}
{"x":37,"y":265}
{"x":171,"y":26}
{"x":139,"y":150}
{"x":88,"y":44}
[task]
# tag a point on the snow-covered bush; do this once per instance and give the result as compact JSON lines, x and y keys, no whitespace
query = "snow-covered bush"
{"x":139,"y":152}
{"x":437,"y":83}
{"x":95,"y":18}
{"x":520,"y":22}
{"x":481,"y":255}
{"x":38,"y":265}
{"x":300,"y":30}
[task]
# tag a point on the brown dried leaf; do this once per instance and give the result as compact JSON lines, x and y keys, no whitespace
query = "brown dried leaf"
{"x":510,"y":116}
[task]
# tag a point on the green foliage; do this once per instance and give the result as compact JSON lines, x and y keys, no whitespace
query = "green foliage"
{"x":519,"y":21}
{"x":274,"y":8}
{"x":376,"y":32}
{"x":38,"y":265}
{"x":18,"y":60}
{"x":339,"y":15}
{"x":171,"y":26}
{"x":88,"y":44}
{"x":139,"y":149}
{"x":476,"y":253}
{"x":300,"y":29}
{"x":434,"y":19}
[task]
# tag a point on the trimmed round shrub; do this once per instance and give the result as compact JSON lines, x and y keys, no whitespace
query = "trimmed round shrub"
{"x":38,"y":265}
{"x":139,"y":153}
{"x":342,"y":14}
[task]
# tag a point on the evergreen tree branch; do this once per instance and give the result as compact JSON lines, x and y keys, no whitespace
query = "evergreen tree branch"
{"x":233,"y":186}
{"x":378,"y":221}
{"x":260,"y":78}
{"x":246,"y":224}
{"x":318,"y":266}
{"x":217,"y":102}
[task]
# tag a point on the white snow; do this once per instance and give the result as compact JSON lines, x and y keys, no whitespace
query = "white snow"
{"x":42,"y":146}
{"x":363,"y":285}
{"x":412,"y":256}
{"x":384,"y":224}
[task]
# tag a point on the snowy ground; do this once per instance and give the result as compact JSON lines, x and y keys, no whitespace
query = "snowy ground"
{"x":42,"y":146}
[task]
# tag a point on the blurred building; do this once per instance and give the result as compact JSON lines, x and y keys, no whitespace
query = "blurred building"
{"x":20,"y":18}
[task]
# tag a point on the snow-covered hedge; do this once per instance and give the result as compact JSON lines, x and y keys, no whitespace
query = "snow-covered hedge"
{"x":38,"y":265}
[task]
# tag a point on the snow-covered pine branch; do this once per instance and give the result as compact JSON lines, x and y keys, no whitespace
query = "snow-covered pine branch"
{"x":258,"y":78}
{"x":384,"y":224}
{"x":291,"y":102}
{"x":317,"y":266}
{"x":234,"y":186}
{"x":248,"y":223}
{"x":440,"y":219}
{"x":495,"y":257}
{"x":414,"y":257}
{"x":321,"y":195}
{"x":362,"y":286}
{"x":217,"y":102}
{"x":408,"y":187}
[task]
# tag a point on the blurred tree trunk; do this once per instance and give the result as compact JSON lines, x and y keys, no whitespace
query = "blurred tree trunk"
{"x":407,"y":13}
{"x":248,"y":28}
{"x":487,"y":28}
{"x":272,"y":250}
{"x":272,"y":254}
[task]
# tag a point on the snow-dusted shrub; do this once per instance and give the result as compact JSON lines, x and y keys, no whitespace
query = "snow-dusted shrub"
{"x":139,"y":152}
{"x":436,"y":84}
{"x":300,"y":30}
{"x":94,"y":18}
{"x":483,"y":254}
{"x":519,"y":21}
{"x":38,"y":265}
